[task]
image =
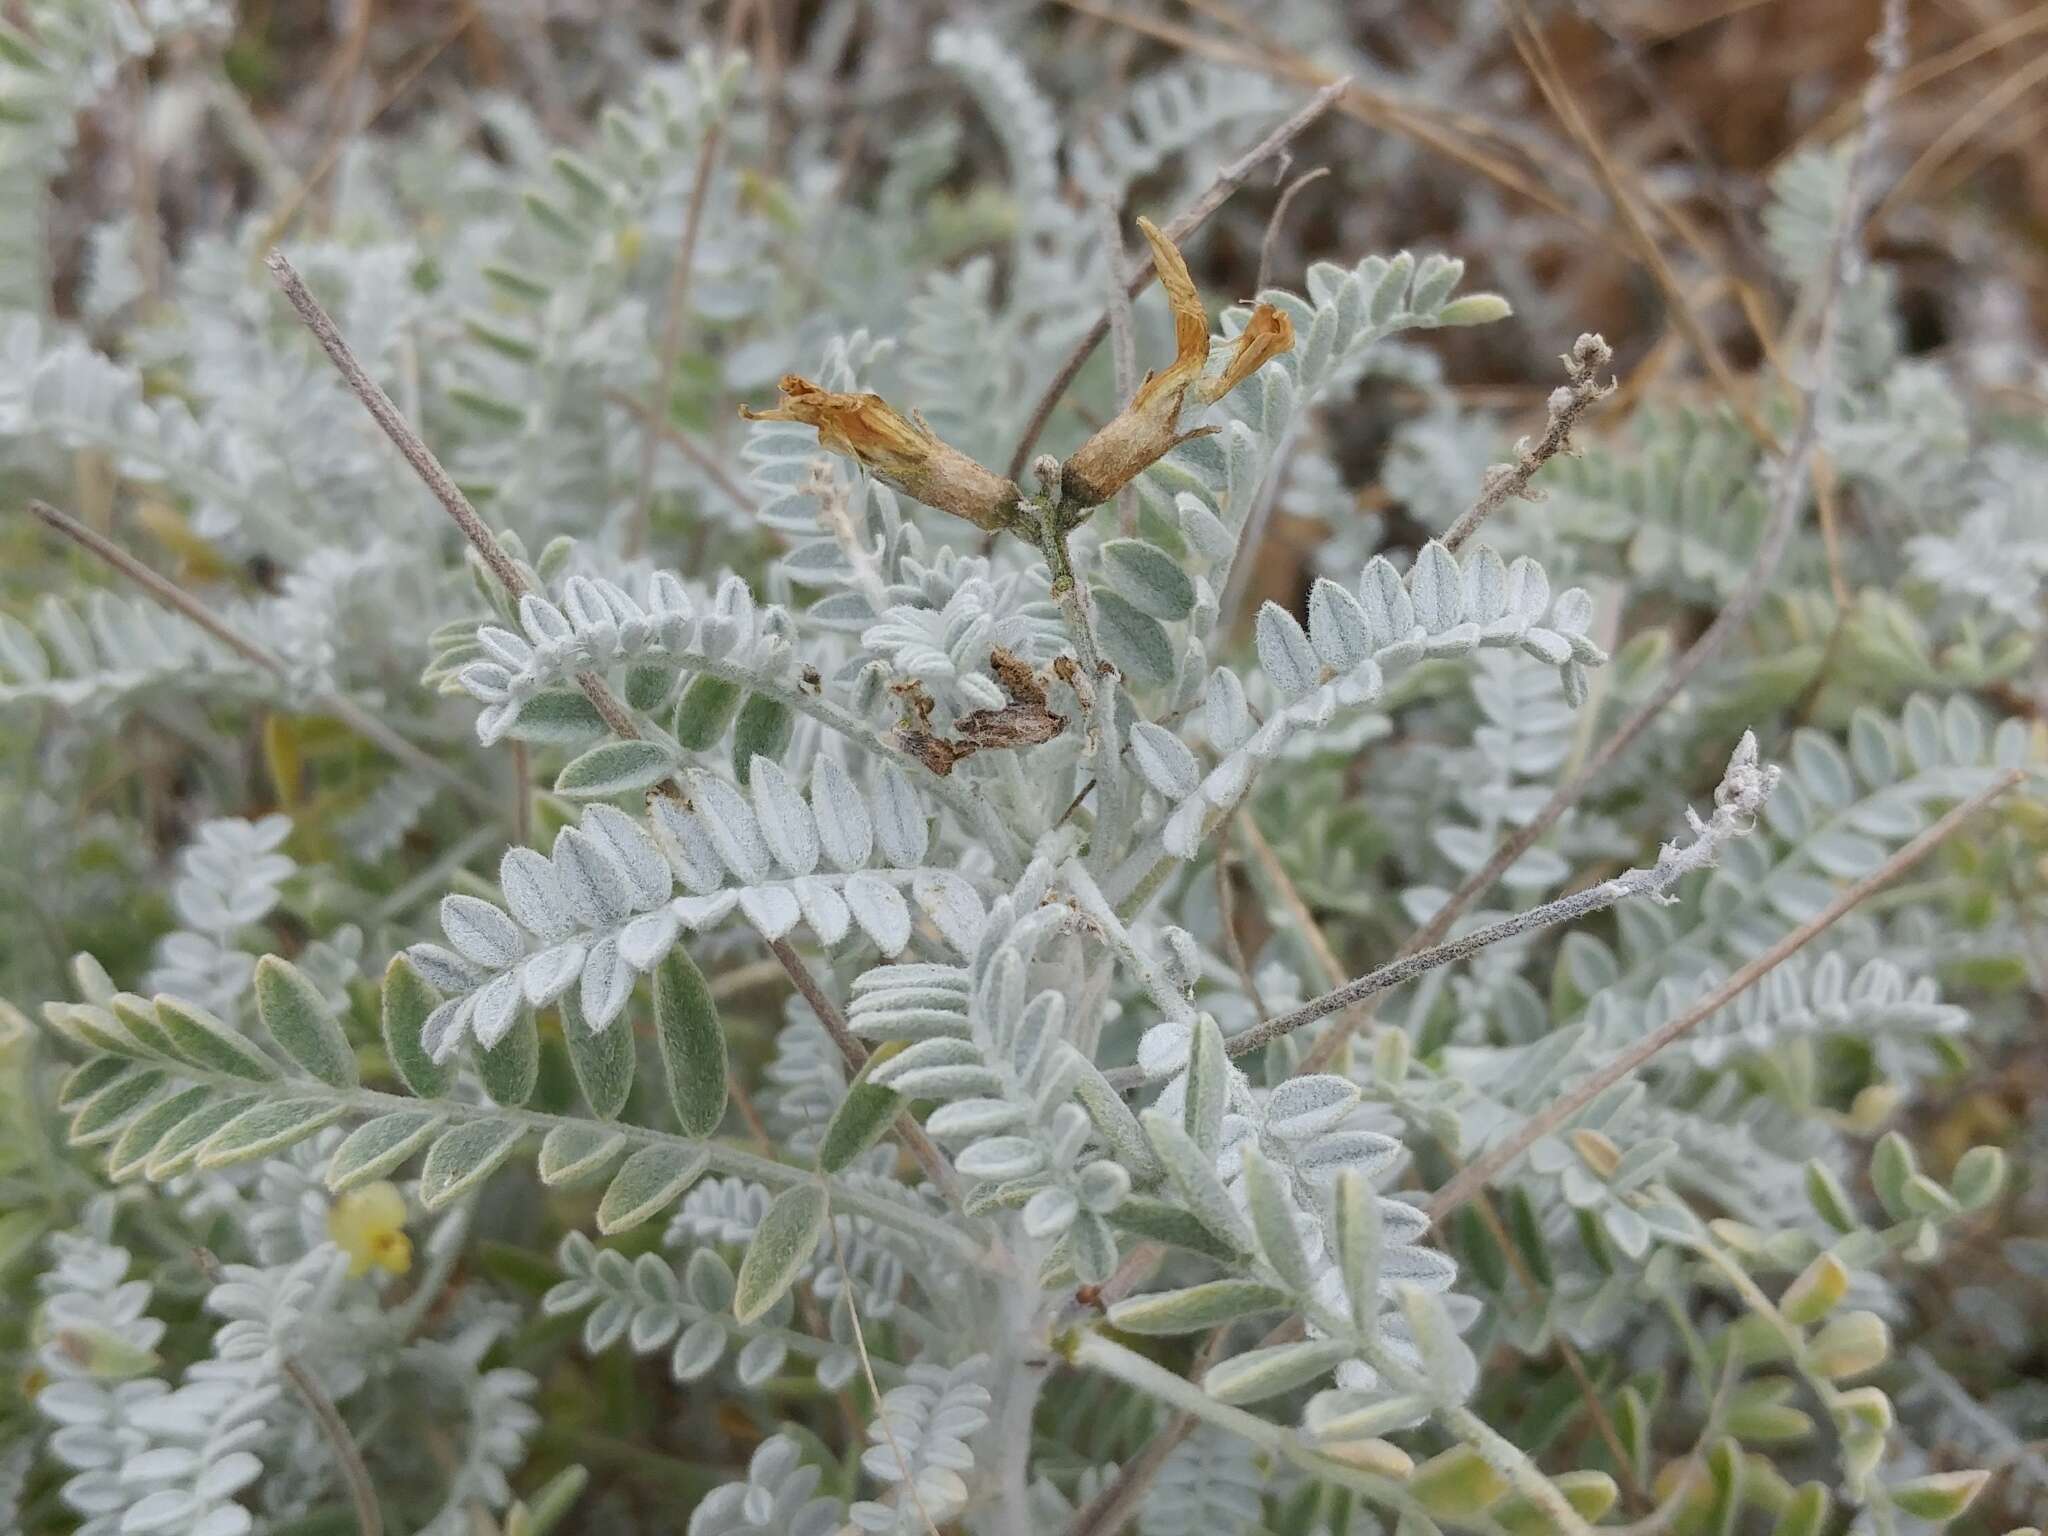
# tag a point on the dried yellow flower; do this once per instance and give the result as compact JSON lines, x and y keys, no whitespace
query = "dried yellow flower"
{"x":368,"y":1225}
{"x":1149,"y":426}
{"x":897,"y":451}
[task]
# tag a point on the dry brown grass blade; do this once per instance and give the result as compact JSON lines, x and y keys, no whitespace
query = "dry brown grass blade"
{"x":674,"y":308}
{"x":281,"y":221}
{"x":1431,"y":130}
{"x":1542,"y":65}
{"x":1953,"y":139}
{"x":1843,"y":117}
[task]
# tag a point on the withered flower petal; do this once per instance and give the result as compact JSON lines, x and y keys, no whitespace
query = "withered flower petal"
{"x":1190,"y":326}
{"x":896,"y":450}
{"x":1268,"y":333}
{"x":1147,"y":428}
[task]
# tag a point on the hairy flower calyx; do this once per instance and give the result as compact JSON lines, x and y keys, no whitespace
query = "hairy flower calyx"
{"x":898,"y":451}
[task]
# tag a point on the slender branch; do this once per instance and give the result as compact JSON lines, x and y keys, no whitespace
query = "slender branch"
{"x":1536,"y":55}
{"x":1782,"y":518}
{"x":174,"y":597}
{"x":1274,"y":874}
{"x":361,"y":1493}
{"x":609,"y":706}
{"x":908,"y":1131}
{"x":1475,"y":1175}
{"x":1113,"y":1507}
{"x":355,"y":1475}
{"x":674,"y":307}
{"x":942,"y":1235}
{"x":1740,"y":796}
{"x":1277,"y":219}
{"x":1183,"y":224}
{"x":395,"y":426}
{"x":660,"y":429}
{"x":1504,"y":482}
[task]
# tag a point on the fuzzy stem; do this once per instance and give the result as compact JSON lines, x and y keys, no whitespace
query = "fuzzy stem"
{"x":1478,"y":1173}
{"x":1742,"y":794}
{"x":1092,"y":1351}
{"x":1783,"y":515}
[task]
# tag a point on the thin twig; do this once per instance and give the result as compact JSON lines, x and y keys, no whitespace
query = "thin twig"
{"x":1782,"y":518}
{"x":1740,"y":796}
{"x":1277,"y":218}
{"x":668,"y":432}
{"x":1110,"y":1509}
{"x":674,"y":307}
{"x":867,"y":1367}
{"x":1504,"y":482}
{"x":1542,"y":65}
{"x":912,"y":1135}
{"x":1477,"y":1174}
{"x":186,"y":606}
{"x":609,"y":706}
{"x":1274,"y":874}
{"x":1176,"y":230}
{"x":361,"y":1492}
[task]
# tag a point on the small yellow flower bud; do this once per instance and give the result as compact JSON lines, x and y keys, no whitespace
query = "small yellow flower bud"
{"x":368,"y":1225}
